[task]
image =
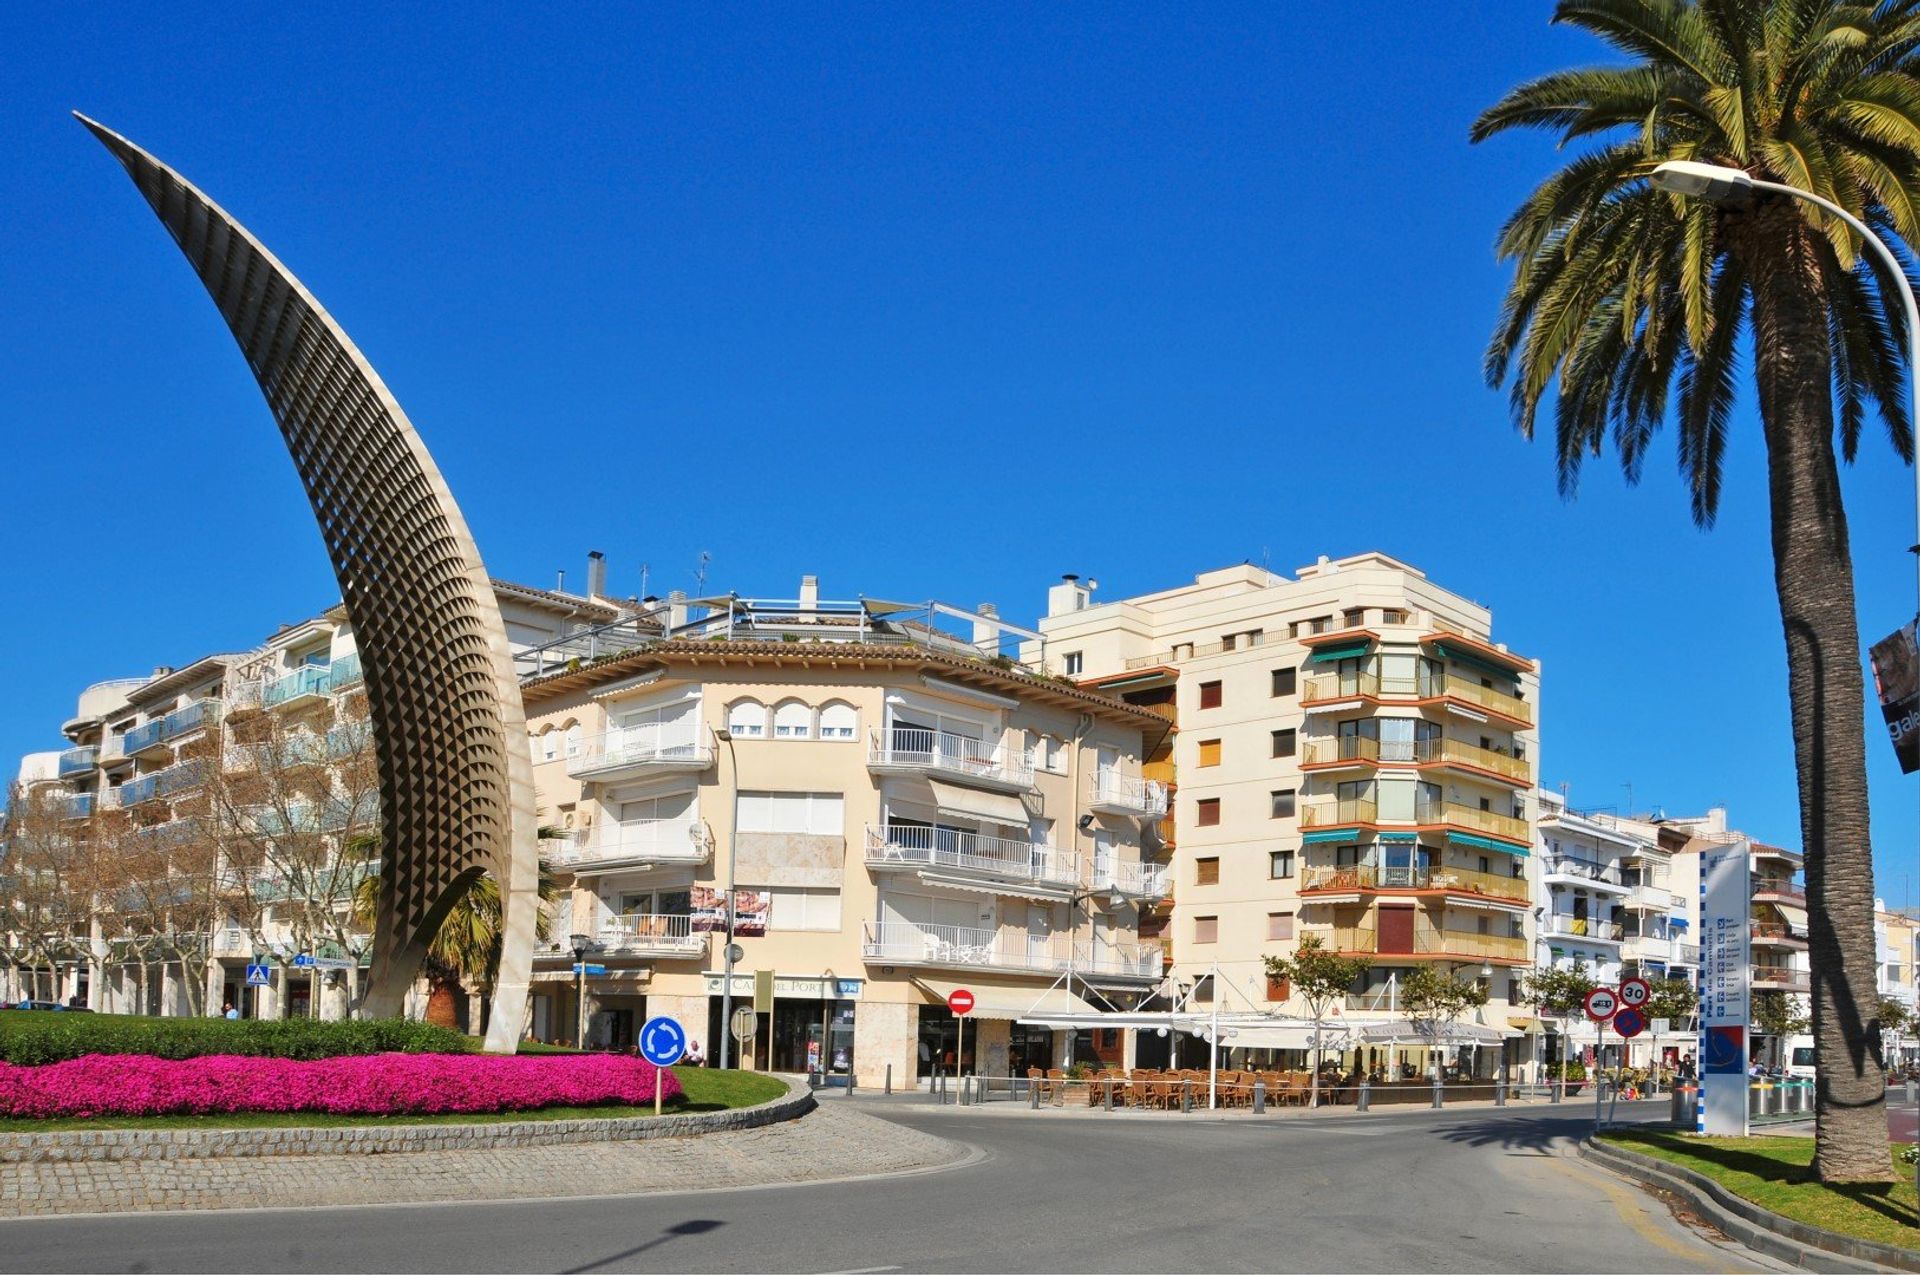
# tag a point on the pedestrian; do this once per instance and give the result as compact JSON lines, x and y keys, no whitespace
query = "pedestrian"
{"x":694,"y":1057}
{"x":230,"y":1013}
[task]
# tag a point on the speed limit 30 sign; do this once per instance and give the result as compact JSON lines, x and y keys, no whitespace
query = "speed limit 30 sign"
{"x":1635,"y":992}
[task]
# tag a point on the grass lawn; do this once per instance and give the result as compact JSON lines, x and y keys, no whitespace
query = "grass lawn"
{"x":1775,"y":1174}
{"x":705,"y":1089}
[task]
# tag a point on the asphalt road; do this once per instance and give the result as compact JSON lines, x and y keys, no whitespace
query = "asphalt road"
{"x":1441,"y":1191}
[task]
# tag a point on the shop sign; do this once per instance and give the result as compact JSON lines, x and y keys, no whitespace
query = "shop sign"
{"x":804,"y":987}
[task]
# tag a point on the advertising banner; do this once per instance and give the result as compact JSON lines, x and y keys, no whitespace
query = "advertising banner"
{"x":1725,"y":953}
{"x":1896,"y":676}
{"x":750,"y":909}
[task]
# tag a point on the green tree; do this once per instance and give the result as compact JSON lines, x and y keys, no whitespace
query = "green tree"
{"x":1434,"y":1002}
{"x":1321,"y":979}
{"x":1895,"y":1019}
{"x":1626,"y":301}
{"x":1560,"y":992}
{"x":1674,"y":1000}
{"x":1778,"y":1015}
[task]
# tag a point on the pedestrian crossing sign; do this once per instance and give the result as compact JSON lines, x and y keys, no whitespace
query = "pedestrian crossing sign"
{"x":259,"y":976}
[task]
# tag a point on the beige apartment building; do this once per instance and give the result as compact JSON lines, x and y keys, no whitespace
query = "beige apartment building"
{"x":1355,"y":759}
{"x":900,"y":813}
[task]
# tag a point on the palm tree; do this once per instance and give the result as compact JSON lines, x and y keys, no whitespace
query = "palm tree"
{"x":1623,"y":295}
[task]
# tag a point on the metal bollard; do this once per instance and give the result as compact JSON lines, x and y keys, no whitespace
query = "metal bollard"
{"x":1365,"y":1098}
{"x":849,"y":1082}
{"x":1499,"y":1092}
{"x":1259,"y":1097}
{"x":813,"y":1080}
{"x":1186,"y":1097}
{"x":1109,"y":1094}
{"x":1556,"y":1090}
{"x":889,"y":1088}
{"x":1033,"y":1096}
{"x":1437,"y":1100}
{"x":1909,"y":1093}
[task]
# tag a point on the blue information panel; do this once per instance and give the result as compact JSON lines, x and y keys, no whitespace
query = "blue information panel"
{"x":662,"y":1042}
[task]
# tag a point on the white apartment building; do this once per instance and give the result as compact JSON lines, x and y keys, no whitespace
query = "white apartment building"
{"x":1355,"y":760}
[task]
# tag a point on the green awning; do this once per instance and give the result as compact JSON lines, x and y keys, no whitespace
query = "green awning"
{"x":1400,"y":837}
{"x":1466,"y":655}
{"x":1485,"y":843}
{"x":1322,"y":836}
{"x":1342,"y":651}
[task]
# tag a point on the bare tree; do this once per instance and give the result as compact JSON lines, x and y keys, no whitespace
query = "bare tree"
{"x":45,"y":887}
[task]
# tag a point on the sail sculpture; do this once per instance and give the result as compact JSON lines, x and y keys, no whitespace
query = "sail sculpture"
{"x":449,"y":730}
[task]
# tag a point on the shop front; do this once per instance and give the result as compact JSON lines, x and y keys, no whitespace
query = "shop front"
{"x":805,"y":1026}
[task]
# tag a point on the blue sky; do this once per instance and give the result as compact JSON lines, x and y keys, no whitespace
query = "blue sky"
{"x":930,"y":302}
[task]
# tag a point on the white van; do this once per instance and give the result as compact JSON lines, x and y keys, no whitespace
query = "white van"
{"x":1798,"y":1057}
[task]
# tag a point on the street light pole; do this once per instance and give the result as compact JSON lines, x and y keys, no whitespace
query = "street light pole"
{"x":725,"y":736}
{"x":582,"y":944}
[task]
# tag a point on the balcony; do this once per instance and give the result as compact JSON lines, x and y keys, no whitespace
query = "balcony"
{"x":1453,"y":815}
{"x":1778,"y":890}
{"x":161,"y":783}
{"x":1339,"y":814}
{"x":1127,"y":795}
{"x":1590,"y":929}
{"x":1356,"y":751}
{"x":1778,"y":934}
{"x":1118,"y":961}
{"x":973,"y":856}
{"x":1457,"y":754}
{"x":920,"y":751}
{"x":1334,"y":688}
{"x":148,"y":741}
{"x":1779,"y":978}
{"x":1432,"y":944}
{"x":75,"y":805}
{"x":77,"y":761}
{"x":1650,"y":898}
{"x":952,"y":946}
{"x":628,"y":754}
{"x":1388,"y":879}
{"x":616,"y":844}
{"x":304,"y":687}
{"x":193,"y":717}
{"x":1132,"y":880}
{"x":1647,"y":947}
{"x":344,"y":673}
{"x":1559,"y":869}
{"x":651,"y":935}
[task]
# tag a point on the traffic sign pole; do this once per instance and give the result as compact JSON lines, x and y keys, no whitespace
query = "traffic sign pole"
{"x":960,"y":1002}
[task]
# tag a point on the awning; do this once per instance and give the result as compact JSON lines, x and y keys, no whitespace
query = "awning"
{"x":1008,"y":1003}
{"x":1676,"y":922}
{"x":1398,"y":838}
{"x":1405,"y":1029}
{"x":1796,"y":918}
{"x":1467,"y":655}
{"x":1010,"y":889}
{"x":965,"y":803}
{"x":1487,"y":905}
{"x":1321,"y":836}
{"x":1485,"y":843}
{"x":1343,"y":651}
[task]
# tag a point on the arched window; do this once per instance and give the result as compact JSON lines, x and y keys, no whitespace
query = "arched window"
{"x":838,"y":720}
{"x":792,"y":720}
{"x":548,"y":741}
{"x":573,"y":739}
{"x":748,"y":720}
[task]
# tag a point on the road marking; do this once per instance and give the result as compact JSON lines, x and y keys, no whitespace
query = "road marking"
{"x":867,"y":1270}
{"x":1632,"y":1208}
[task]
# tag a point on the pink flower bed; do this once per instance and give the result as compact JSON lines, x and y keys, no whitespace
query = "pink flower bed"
{"x":369,"y":1084}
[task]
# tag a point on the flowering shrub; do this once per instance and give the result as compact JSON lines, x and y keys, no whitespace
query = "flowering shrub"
{"x":371,"y":1084}
{"x":32,"y":1037}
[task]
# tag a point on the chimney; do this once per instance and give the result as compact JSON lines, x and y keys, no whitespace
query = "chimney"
{"x":986,"y":636}
{"x":596,"y":574}
{"x":809,"y":593}
{"x":1067,"y":596}
{"x":676,"y":610}
{"x":560,"y":582}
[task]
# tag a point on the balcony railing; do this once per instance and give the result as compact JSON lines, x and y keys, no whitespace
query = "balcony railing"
{"x":1581,"y":927}
{"x":1128,"y":795}
{"x":1566,"y":865}
{"x":305,"y":684}
{"x":970,"y":853}
{"x":901,"y":943}
{"x":636,"y":842}
{"x":1118,"y":960}
{"x":76,"y":806}
{"x":1455,"y":815}
{"x":1488,"y":698}
{"x":1776,"y":933}
{"x":1779,"y":890}
{"x":145,"y":737}
{"x":1459,"y":752}
{"x":1336,"y":814}
{"x":1780,"y":978}
{"x":640,"y":749}
{"x":651,"y":934}
{"x":1327,"y":687}
{"x":344,"y":673}
{"x":1332,"y":750}
{"x":1408,"y":877}
{"x":77,"y":761}
{"x":1431,"y":942}
{"x":942,"y":752}
{"x":161,"y":783}
{"x":1138,"y":880}
{"x":192,"y":717}
{"x":1650,"y":898}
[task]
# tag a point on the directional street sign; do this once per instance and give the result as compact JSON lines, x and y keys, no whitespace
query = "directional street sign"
{"x":1663,"y":1027}
{"x":589,"y":969}
{"x":1629,"y":1023}
{"x":662,"y":1042}
{"x":259,"y":975}
{"x":960,"y":1001}
{"x":744,"y":1023}
{"x":332,"y":963}
{"x":1601,"y":1002}
{"x":303,"y":962}
{"x":1635,"y":992}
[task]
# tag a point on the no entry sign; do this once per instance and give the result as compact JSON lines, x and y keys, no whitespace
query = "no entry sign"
{"x":960,"y":1002}
{"x":1601,"y":1003}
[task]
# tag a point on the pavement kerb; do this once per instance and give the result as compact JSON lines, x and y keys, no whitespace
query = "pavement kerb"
{"x":295,"y":1140}
{"x":1762,"y":1230}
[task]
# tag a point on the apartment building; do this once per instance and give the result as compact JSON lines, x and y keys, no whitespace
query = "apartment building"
{"x":1608,"y":899}
{"x":1355,"y":760}
{"x":899,"y":811}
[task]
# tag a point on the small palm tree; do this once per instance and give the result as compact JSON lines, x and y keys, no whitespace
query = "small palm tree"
{"x":1627,"y":302}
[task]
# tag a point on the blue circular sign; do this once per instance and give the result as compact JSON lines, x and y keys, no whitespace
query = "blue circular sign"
{"x":662,"y":1041}
{"x":1629,"y":1022}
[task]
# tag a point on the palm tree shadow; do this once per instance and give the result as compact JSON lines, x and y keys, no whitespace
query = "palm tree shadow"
{"x":1870,"y":1195}
{"x":1519,"y":1137}
{"x":692,"y":1226}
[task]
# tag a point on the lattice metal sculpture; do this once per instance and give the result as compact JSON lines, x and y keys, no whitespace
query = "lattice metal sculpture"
{"x":449,"y":731}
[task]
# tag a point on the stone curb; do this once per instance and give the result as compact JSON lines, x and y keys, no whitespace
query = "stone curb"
{"x":193,"y":1144}
{"x":1764,"y":1231}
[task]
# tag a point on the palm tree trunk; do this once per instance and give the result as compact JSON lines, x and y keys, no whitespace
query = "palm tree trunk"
{"x":1813,"y":576}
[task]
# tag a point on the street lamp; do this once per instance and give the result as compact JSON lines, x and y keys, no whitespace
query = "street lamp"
{"x":582,"y":944}
{"x":1719,"y":184}
{"x":725,"y":736}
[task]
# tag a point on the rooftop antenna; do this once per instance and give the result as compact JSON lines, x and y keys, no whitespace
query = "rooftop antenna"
{"x":645,"y":572}
{"x":700,"y":573}
{"x":1629,"y":787}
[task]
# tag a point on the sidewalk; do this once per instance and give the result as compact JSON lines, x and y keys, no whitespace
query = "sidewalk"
{"x":1001,"y":1105}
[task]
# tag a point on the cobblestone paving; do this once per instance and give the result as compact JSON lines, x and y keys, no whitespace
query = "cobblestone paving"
{"x":830,"y":1143}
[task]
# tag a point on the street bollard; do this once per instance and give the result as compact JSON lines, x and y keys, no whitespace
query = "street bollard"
{"x":1910,"y":1093}
{"x":813,"y":1080}
{"x":1186,"y":1097}
{"x":1365,"y":1099}
{"x":1033,"y":1096}
{"x":1555,"y":1089}
{"x":849,"y":1082}
{"x":1437,"y":1102}
{"x":1499,"y":1092}
{"x":889,"y":1088}
{"x":1259,"y":1097}
{"x":1109,"y":1095}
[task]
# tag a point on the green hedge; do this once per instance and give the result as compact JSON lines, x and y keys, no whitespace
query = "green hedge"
{"x":34,"y":1037}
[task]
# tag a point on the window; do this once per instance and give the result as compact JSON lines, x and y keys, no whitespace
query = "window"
{"x":1280,"y":865}
{"x":1209,"y":694}
{"x":1206,"y":871}
{"x":573,"y":739}
{"x":838,"y":721}
{"x":1283,"y":802}
{"x":1284,"y":682}
{"x":1353,"y":618}
{"x":549,"y":743}
{"x":1320,"y":624}
{"x":1207,"y":812}
{"x":1053,"y":755}
{"x":1209,"y":752}
{"x":1393,"y":615}
{"x":1203,"y":989}
{"x":1278,"y":988}
{"x":1206,"y":929}
{"x":808,"y":908}
{"x":748,"y":720}
{"x":792,"y":720}
{"x":820,"y":814}
{"x":1284,"y":742}
{"x":1076,"y":660}
{"x":1279,"y":926}
{"x":1228,"y":641}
